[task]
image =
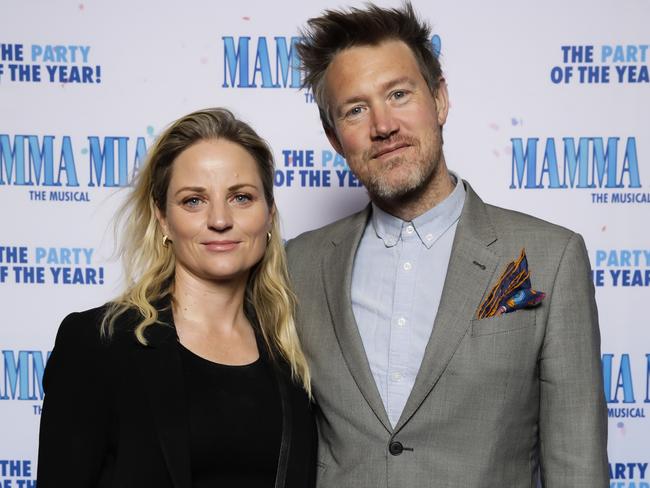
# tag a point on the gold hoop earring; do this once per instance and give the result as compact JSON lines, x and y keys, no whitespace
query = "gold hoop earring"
{"x":268,"y":237}
{"x":165,"y":241}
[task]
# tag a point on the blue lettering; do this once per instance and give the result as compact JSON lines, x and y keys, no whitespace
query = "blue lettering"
{"x":603,"y":165}
{"x":235,"y":60}
{"x":23,"y":377}
{"x":262,"y":65}
{"x":549,"y":165}
{"x":66,"y":163}
{"x":140,"y":155}
{"x":287,"y":59}
{"x":631,"y":164}
{"x":41,"y":160}
{"x":237,"y":57}
{"x":524,"y":162}
{"x":40,"y":163}
{"x":576,"y":160}
{"x":647,"y":379}
{"x":102,"y":161}
{"x":14,"y":159}
{"x":624,"y":381}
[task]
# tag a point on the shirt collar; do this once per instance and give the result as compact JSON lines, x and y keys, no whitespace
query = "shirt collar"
{"x":428,"y":227}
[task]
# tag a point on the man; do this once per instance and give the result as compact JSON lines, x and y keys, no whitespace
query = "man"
{"x":413,"y":389}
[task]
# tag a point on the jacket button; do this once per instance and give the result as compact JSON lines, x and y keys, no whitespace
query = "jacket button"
{"x":395,"y":448}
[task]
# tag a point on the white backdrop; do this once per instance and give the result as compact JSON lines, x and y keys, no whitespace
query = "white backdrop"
{"x":549,"y":115}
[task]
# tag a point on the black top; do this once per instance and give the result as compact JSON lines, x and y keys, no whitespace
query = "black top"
{"x":235,"y":422}
{"x":119,"y":410}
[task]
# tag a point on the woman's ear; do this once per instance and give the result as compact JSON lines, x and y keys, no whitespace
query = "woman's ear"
{"x":162,"y":221}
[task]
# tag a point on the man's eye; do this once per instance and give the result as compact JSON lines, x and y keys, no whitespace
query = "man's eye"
{"x":354,"y":111}
{"x":399,"y":94}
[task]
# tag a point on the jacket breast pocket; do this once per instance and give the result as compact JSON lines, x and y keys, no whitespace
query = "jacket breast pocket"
{"x":506,"y":322}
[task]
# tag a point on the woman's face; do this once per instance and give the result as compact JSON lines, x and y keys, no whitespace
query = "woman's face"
{"x":216,"y":215}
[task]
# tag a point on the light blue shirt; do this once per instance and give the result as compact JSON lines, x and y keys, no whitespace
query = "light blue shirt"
{"x":397,"y":279}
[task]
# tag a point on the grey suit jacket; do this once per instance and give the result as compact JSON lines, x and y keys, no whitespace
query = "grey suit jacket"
{"x":497,"y":402}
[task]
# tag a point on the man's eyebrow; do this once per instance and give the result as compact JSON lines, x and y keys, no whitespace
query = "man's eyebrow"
{"x":402,"y":80}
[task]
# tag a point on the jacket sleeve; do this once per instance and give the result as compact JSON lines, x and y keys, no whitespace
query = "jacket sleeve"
{"x":573,"y":414}
{"x":73,"y":435}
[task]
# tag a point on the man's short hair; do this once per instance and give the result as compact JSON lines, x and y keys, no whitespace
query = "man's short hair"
{"x":336,"y":30}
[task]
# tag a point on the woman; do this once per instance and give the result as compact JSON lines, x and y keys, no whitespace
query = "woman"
{"x":194,"y":376}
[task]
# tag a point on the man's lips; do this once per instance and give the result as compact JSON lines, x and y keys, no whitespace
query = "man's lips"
{"x":225,"y":245}
{"x":389,"y":150}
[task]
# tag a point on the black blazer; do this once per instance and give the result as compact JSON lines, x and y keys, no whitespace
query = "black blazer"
{"x":114,"y":413}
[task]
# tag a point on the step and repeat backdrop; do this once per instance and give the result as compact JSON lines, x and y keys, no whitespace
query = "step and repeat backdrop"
{"x":550,"y":115}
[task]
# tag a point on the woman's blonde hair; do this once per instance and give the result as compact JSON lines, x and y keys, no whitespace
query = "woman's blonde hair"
{"x":149,"y":264}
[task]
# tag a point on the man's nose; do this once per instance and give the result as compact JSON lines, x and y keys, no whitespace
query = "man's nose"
{"x":384,"y":124}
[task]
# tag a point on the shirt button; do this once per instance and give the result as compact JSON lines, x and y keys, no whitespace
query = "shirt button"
{"x":407,"y":266}
{"x":396,"y":376}
{"x":401,"y":322}
{"x":409,"y":229}
{"x":429,"y":237}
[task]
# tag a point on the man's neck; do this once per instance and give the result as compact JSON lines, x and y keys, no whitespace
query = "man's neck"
{"x":413,"y":205}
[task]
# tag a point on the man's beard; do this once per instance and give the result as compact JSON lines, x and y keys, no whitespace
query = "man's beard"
{"x":420,"y":173}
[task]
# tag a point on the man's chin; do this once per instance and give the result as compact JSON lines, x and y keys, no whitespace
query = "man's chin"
{"x":394,"y":191}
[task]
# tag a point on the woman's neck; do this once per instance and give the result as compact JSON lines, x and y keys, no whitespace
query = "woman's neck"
{"x":209,"y":306}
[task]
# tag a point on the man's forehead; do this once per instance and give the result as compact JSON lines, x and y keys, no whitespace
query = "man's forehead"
{"x":379,"y":67}
{"x":385,"y":47}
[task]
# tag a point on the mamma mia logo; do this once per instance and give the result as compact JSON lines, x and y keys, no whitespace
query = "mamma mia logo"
{"x":268,"y":62}
{"x":22,"y":374}
{"x":249,"y":64}
{"x":48,"y":161}
{"x":626,"y":383}
{"x":586,"y":162}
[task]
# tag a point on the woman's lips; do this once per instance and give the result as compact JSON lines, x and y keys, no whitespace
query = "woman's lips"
{"x":220,"y":246}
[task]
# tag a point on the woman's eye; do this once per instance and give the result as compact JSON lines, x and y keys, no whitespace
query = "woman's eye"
{"x":192,"y":202}
{"x":242,"y":198}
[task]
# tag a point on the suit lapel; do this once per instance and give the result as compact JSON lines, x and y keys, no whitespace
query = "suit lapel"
{"x":162,"y":375}
{"x":465,"y":285}
{"x":337,"y":267}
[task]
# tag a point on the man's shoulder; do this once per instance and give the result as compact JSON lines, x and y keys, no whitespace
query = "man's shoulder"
{"x":513,"y":223}
{"x":312,"y":242}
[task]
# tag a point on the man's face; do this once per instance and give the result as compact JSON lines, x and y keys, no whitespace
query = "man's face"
{"x":387,"y":123}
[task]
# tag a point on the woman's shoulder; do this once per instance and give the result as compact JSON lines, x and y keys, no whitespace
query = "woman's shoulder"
{"x":88,"y":327}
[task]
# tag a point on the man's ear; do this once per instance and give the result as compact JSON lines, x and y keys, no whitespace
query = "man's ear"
{"x":441,"y":96}
{"x":334,"y":140}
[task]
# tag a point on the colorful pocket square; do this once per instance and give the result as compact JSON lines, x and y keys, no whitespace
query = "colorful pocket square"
{"x":512,"y":292}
